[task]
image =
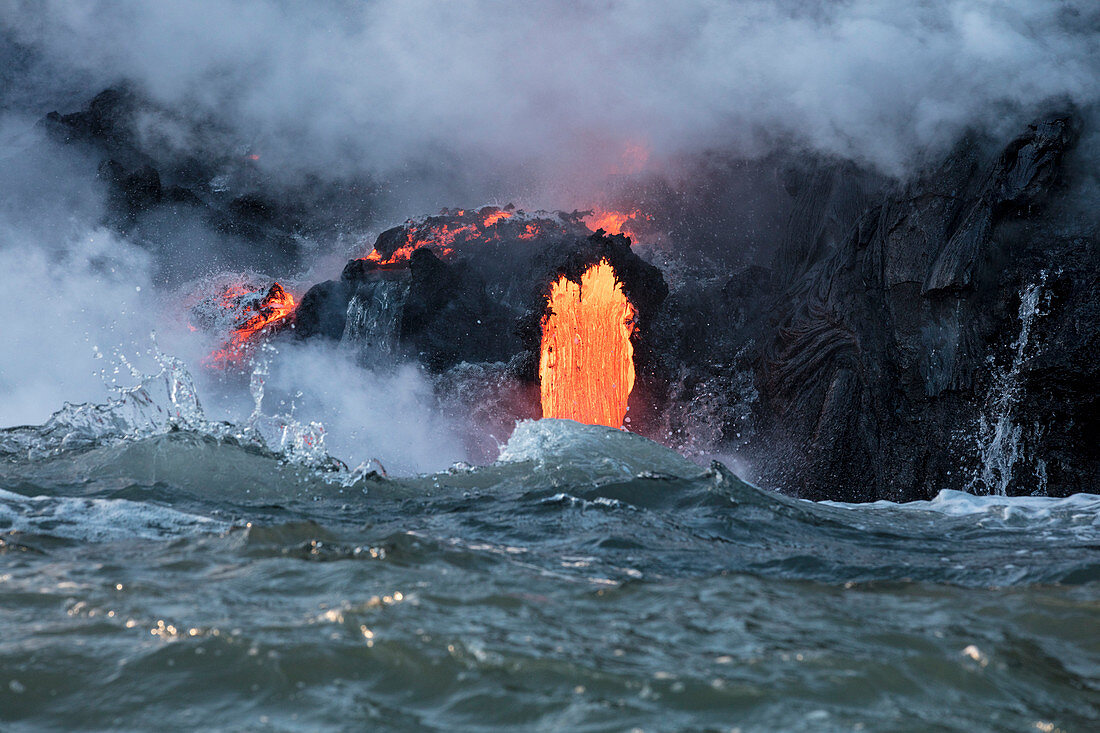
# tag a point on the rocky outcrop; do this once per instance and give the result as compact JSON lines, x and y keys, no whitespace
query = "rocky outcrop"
{"x":905,"y":339}
{"x":886,"y":365}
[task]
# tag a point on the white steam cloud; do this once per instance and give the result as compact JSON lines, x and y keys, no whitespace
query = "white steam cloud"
{"x":557,"y":89}
{"x":71,"y":289}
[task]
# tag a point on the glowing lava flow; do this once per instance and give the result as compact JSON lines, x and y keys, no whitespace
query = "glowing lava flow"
{"x":454,"y":229}
{"x":442,"y":233}
{"x":252,"y":316}
{"x":496,"y":216}
{"x":586,"y":365}
{"x":616,"y":222}
{"x":610,"y":221}
{"x":403,"y":253}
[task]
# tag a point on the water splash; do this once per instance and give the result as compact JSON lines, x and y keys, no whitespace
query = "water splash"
{"x":1000,"y":448}
{"x":302,"y":443}
{"x":160,"y":403}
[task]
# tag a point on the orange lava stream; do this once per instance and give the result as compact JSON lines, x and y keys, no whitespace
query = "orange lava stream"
{"x":586,"y":365}
{"x":440,"y":238}
{"x":610,"y":221}
{"x":404,"y":252}
{"x":275,"y":306}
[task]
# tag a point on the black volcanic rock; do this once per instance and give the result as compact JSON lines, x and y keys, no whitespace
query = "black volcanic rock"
{"x":448,"y":317}
{"x":322,"y":311}
{"x":443,"y":315}
{"x":707,"y":340}
{"x":1026,"y":171}
{"x":877,"y":374}
{"x":108,"y":122}
{"x":905,"y":338}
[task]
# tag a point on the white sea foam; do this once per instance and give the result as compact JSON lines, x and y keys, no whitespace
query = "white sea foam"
{"x":959,"y":503}
{"x":99,"y":520}
{"x":569,"y":500}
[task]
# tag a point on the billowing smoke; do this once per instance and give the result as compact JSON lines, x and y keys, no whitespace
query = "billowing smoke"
{"x":537,"y":90}
{"x":461,"y":103}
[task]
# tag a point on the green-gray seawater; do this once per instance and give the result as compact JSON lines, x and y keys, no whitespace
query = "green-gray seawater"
{"x":590,"y":581}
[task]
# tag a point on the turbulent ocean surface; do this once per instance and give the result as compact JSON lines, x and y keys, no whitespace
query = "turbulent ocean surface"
{"x":160,"y":571}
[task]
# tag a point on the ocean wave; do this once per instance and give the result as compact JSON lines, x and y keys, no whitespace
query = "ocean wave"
{"x":1079,"y":512}
{"x":598,"y":451}
{"x":99,"y":520}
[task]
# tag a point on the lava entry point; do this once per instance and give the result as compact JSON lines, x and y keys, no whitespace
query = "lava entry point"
{"x":586,"y":362}
{"x":568,"y":318}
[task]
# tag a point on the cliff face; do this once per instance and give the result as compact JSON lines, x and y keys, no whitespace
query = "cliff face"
{"x":890,"y":341}
{"x":948,"y":341}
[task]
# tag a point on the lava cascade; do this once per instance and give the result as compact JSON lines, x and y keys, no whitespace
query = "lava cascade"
{"x":586,"y":365}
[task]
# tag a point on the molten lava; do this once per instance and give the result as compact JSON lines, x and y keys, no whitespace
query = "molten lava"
{"x":495,"y":216}
{"x":252,"y":312}
{"x":530,"y":232}
{"x":405,"y":251}
{"x":452,"y":230}
{"x":586,"y":365}
{"x":442,"y":233}
{"x":617,"y":222}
